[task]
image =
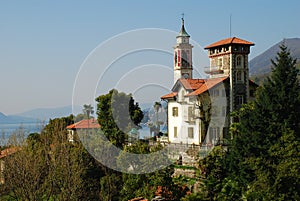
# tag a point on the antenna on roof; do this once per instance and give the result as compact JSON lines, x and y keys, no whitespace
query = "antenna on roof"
{"x":230,"y":26}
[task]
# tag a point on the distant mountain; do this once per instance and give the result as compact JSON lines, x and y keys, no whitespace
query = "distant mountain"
{"x":2,"y":116}
{"x":51,"y":113}
{"x":145,"y":106}
{"x":262,"y":63}
{"x":13,"y":119}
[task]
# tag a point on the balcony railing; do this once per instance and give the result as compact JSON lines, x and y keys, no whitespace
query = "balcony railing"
{"x":212,"y":70}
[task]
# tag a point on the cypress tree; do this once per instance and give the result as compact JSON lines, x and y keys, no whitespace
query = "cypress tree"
{"x":263,"y":132}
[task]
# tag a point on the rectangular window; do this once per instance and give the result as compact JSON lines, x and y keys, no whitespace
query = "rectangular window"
{"x":190,"y":113}
{"x":239,"y":76}
{"x":220,"y":62}
{"x":175,"y":111}
{"x":175,"y":132}
{"x":214,"y":135}
{"x":240,"y":99}
{"x":190,"y":132}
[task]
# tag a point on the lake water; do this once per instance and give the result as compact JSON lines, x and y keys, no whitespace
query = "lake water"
{"x":145,"y":132}
{"x":7,"y":129}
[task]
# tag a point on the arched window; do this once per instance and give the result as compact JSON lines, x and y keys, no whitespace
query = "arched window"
{"x":184,"y":59}
{"x":239,"y":61}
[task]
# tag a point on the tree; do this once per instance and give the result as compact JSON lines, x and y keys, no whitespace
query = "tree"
{"x":214,"y":169}
{"x":117,"y":115}
{"x":88,"y":110}
{"x":157,"y":106}
{"x":26,"y":171}
{"x":69,"y":174}
{"x":204,"y":106}
{"x":145,"y":185}
{"x":48,"y":167}
{"x":262,"y":148}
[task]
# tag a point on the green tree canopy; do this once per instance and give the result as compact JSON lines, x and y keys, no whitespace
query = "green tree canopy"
{"x":117,"y":115}
{"x":262,"y":147}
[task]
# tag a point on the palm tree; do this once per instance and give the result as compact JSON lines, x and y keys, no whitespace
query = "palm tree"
{"x":157,"y":106}
{"x":88,"y":110}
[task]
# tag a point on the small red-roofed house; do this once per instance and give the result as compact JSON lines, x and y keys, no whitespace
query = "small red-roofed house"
{"x":86,"y":126}
{"x":198,"y":109}
{"x":3,"y":154}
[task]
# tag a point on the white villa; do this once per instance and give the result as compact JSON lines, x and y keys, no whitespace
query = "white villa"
{"x":199,"y":105}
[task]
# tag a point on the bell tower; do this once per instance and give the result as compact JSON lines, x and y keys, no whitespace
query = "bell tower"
{"x":183,"y":67}
{"x":229,"y":57}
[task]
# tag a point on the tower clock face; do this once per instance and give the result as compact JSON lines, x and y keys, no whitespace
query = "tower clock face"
{"x":185,"y":75}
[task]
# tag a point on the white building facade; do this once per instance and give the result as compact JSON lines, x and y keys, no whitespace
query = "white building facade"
{"x":198,"y":109}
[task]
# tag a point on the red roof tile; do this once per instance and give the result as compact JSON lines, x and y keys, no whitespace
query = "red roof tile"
{"x":189,"y":84}
{"x":227,"y":41}
{"x":192,"y":84}
{"x":8,"y":151}
{"x":209,"y":83}
{"x":85,"y":123}
{"x":170,"y":95}
{"x":197,"y":85}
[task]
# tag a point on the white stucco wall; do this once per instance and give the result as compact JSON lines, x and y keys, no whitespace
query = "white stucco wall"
{"x":182,"y":122}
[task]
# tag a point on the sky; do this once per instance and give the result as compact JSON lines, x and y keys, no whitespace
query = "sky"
{"x":45,"y":46}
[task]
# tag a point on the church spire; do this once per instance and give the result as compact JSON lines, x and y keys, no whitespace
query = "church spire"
{"x":183,"y":32}
{"x":183,"y":67}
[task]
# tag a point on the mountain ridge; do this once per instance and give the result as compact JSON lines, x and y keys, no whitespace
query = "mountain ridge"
{"x":51,"y":113}
{"x":261,"y":64}
{"x":15,"y":119}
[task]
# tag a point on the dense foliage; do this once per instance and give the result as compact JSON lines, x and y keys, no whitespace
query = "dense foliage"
{"x":263,"y":160}
{"x":117,"y":114}
{"x":261,"y":163}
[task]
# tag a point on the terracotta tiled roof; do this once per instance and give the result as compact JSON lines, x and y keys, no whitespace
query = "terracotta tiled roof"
{"x":209,"y":83}
{"x":192,"y":84}
{"x":8,"y":151}
{"x":85,"y":123}
{"x":227,"y":41}
{"x":188,"y":84}
{"x":197,"y":85}
{"x":170,"y":95}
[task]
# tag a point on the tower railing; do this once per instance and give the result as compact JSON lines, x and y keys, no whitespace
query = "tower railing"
{"x":213,"y":70}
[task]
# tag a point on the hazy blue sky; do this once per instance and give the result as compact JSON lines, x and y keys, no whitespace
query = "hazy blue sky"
{"x":44,"y":43}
